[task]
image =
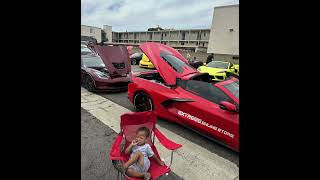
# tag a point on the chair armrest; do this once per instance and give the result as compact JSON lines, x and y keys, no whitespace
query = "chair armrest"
{"x":167,"y":143}
{"x":115,"y":152}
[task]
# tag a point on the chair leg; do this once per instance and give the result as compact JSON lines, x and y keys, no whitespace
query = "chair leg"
{"x":171,"y":159}
{"x":153,"y":138}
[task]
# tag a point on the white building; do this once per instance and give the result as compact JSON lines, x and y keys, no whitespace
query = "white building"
{"x":224,"y":34}
{"x":108,"y":30}
{"x":96,"y":32}
{"x":196,"y":39}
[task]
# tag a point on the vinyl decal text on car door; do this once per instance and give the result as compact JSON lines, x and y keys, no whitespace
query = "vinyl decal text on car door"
{"x":198,"y":120}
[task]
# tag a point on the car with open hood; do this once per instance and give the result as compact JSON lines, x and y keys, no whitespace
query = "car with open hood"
{"x":177,"y":92}
{"x":106,"y":68}
{"x":220,"y":70}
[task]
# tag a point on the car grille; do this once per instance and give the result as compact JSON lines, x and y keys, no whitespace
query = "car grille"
{"x":119,"y":65}
{"x":219,"y":77}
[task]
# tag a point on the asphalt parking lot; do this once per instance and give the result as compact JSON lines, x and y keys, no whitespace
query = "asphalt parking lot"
{"x":122,"y":100}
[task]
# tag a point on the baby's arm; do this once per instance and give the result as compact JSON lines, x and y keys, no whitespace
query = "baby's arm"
{"x":157,"y":160}
{"x":129,"y":148}
{"x":152,"y":155}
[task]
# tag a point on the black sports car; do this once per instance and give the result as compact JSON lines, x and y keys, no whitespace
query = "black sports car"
{"x":135,"y":58}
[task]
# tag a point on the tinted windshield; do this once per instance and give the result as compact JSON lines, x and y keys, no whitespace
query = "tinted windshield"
{"x":217,"y":64}
{"x":177,"y":64}
{"x":233,"y":88}
{"x":93,"y":61}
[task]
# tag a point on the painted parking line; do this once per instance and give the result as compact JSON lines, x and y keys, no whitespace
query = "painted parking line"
{"x":191,"y":162}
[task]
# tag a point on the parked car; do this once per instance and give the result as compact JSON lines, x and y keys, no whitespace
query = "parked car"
{"x":196,"y":63}
{"x":145,"y":62}
{"x":219,"y":70}
{"x":179,"y":93}
{"x":85,"y":50}
{"x":135,"y":58}
{"x":106,"y":69}
{"x":236,"y":69}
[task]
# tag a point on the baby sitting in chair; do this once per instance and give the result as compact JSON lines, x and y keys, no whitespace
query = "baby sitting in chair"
{"x":138,"y":164}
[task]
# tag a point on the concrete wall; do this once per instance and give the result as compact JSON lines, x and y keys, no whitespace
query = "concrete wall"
{"x":222,"y":40}
{"x":156,"y":36}
{"x":114,"y":36}
{"x":205,"y":35}
{"x":108,"y":30}
{"x":91,"y":31}
{"x":174,"y":35}
{"x":193,"y":35}
{"x":131,"y":36}
{"x":174,"y":43}
{"x":166,"y":36}
{"x":143,"y":36}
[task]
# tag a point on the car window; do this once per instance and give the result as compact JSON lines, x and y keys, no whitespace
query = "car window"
{"x":233,"y":88}
{"x":217,"y":64}
{"x":177,"y":64}
{"x":205,"y":90}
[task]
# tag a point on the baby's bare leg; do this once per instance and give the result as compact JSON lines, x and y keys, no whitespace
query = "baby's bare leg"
{"x":133,"y":173}
{"x":138,"y":156}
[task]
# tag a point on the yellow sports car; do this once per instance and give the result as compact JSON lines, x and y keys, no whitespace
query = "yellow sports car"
{"x":236,"y":69}
{"x":145,"y":62}
{"x":218,"y":70}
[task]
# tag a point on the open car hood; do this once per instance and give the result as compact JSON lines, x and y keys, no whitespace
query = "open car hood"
{"x":116,"y":59}
{"x":160,"y":54}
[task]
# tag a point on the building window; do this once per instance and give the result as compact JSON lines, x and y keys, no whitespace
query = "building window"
{"x":204,"y":34}
{"x":91,"y":30}
{"x":202,"y":44}
{"x":182,"y":43}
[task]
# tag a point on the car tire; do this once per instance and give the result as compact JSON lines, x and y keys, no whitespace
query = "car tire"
{"x":142,"y":102}
{"x":88,"y":83}
{"x":134,"y":61}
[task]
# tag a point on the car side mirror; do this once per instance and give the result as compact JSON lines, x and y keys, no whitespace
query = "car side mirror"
{"x":227,"y":106}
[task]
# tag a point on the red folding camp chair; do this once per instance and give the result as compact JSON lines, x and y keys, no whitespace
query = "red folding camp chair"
{"x":130,"y":122}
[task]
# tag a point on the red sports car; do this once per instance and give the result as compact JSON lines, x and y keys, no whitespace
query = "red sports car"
{"x":179,"y":93}
{"x":106,"y":68}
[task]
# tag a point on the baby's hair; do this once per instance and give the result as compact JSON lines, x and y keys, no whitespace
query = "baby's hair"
{"x":145,"y":130}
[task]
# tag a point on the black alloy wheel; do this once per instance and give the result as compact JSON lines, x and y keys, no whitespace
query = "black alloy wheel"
{"x":142,"y":102}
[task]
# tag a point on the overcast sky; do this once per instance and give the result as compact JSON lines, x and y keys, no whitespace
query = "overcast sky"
{"x":139,"y":15}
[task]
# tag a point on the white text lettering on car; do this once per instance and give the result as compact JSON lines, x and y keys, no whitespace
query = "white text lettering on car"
{"x":195,"y":119}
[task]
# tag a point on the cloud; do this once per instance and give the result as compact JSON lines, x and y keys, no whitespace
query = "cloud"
{"x":139,"y":15}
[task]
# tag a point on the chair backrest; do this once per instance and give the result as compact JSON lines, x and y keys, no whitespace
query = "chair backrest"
{"x":130,"y":122}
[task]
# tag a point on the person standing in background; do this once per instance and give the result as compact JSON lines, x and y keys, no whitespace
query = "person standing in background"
{"x":188,"y":57}
{"x":210,"y":58}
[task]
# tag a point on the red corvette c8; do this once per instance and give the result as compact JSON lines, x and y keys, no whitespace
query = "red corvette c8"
{"x":179,"y":93}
